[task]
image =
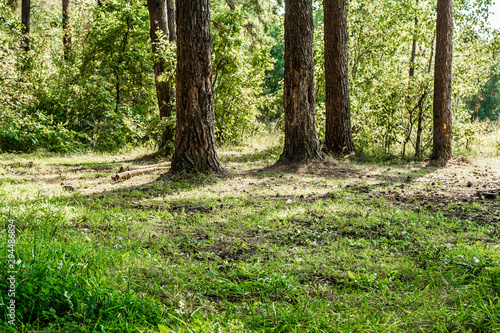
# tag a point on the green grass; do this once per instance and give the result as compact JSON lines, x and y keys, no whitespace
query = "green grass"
{"x":320,"y":248}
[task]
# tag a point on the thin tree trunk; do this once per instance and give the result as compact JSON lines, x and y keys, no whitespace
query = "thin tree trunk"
{"x":420,"y":120}
{"x":230,"y":3}
{"x":195,"y":132}
{"x":414,"y":47}
{"x":418,"y":149}
{"x":159,"y":23}
{"x":442,"y":82}
{"x":66,"y":29}
{"x":118,"y":98}
{"x":172,"y":26}
{"x":411,"y":74}
{"x":301,"y":137}
{"x":25,"y":20}
{"x":338,"y":137}
{"x":123,"y":46}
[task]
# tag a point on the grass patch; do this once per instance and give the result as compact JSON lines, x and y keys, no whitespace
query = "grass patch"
{"x":333,"y":246}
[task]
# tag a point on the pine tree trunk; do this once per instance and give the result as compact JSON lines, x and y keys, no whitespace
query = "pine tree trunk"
{"x":195,"y":133}
{"x":159,"y":22}
{"x":442,"y":81}
{"x":66,"y":29}
{"x":338,"y":137}
{"x":25,"y":20}
{"x":301,"y":137}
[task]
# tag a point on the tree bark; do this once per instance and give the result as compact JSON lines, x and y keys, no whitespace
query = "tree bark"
{"x":414,"y":47}
{"x":25,"y":20}
{"x":442,"y":82}
{"x":301,"y":137}
{"x":172,"y":26}
{"x":338,"y":137}
{"x":159,"y":22}
{"x":66,"y":29}
{"x":195,"y":133}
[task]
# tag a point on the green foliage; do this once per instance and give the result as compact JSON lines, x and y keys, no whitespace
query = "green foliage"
{"x":101,"y":98}
{"x":237,"y":73}
{"x":62,"y":287}
{"x":104,"y":97}
{"x":115,"y":76}
{"x":485,"y":104}
{"x":36,"y":131}
{"x":272,"y":109}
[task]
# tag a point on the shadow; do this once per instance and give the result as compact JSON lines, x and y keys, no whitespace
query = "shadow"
{"x":168,"y":190}
{"x":152,"y":158}
{"x":266,"y":154}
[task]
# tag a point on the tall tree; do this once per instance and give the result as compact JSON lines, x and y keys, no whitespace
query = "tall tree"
{"x":25,"y":20}
{"x":338,"y":137}
{"x":195,"y":133}
{"x":159,"y":24}
{"x":442,"y":81}
{"x":66,"y":29}
{"x":301,"y":136}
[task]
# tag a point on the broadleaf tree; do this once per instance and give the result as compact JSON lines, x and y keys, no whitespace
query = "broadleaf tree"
{"x":160,"y":28}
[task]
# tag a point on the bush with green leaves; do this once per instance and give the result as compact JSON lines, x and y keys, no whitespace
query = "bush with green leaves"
{"x":237,"y":73}
{"x":101,"y":98}
{"x":485,"y":103}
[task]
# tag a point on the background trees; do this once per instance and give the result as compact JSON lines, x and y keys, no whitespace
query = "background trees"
{"x":104,"y":97}
{"x":160,"y":24}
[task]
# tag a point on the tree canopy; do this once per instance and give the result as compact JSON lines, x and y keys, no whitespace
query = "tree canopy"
{"x":87,"y":81}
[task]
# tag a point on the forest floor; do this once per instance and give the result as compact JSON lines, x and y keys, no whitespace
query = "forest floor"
{"x":329,"y":246}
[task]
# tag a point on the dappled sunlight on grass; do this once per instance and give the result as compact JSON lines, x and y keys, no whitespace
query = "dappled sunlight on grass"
{"x":334,"y":245}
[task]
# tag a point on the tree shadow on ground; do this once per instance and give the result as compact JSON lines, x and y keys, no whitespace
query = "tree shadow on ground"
{"x":168,"y":191}
{"x":235,"y":157}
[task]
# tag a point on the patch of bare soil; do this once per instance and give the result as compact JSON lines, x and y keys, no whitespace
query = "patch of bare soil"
{"x":463,"y":190}
{"x":326,"y":168}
